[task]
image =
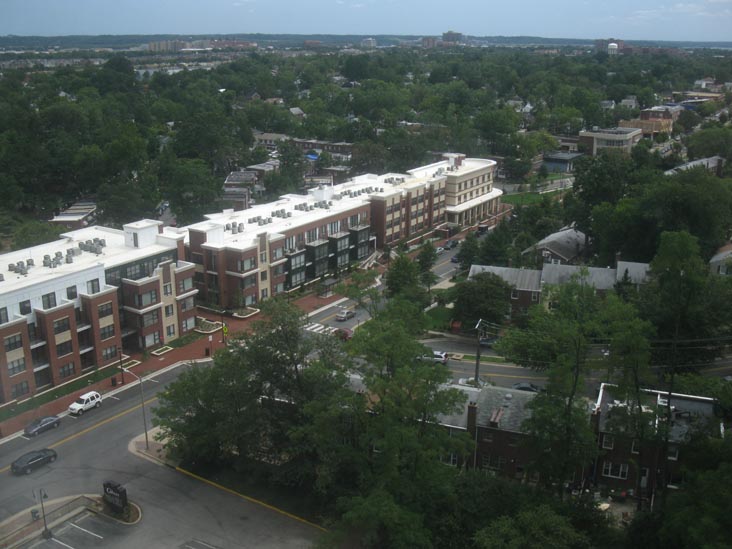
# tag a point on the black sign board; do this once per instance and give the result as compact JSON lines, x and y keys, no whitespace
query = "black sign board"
{"x":115,"y":495}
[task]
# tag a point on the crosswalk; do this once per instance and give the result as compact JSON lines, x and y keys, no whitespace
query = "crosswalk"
{"x":320,"y":328}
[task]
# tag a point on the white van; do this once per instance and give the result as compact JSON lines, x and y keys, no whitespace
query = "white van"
{"x":85,"y":402}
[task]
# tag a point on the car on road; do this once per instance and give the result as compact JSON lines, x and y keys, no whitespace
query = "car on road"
{"x":439,"y":250}
{"x":488,"y":341}
{"x":455,"y":259}
{"x":25,"y":464}
{"x":345,"y":314}
{"x":436,"y":356}
{"x":526,"y":386}
{"x":37,"y":426}
{"x":451,"y":244}
{"x":85,"y":402}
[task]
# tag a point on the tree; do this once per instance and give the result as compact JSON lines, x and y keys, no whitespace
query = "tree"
{"x":485,"y":296}
{"x":31,"y":233}
{"x":190,"y":187}
{"x":537,"y":528}
{"x":363,"y":288}
{"x":402,"y":276}
{"x":468,"y":251}
{"x":426,"y":259}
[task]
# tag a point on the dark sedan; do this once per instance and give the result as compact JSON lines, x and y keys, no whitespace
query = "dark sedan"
{"x":526,"y":386}
{"x":41,"y":424}
{"x":32,"y":460}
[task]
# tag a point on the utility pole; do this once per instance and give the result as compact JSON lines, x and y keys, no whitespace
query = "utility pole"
{"x":47,"y":534}
{"x":142,"y":403}
{"x":477,"y":354}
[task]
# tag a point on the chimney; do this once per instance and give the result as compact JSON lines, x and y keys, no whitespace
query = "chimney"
{"x":472,"y":419}
{"x":617,"y":259}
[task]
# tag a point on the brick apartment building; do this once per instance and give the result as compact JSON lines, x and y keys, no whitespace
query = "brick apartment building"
{"x":72,"y":305}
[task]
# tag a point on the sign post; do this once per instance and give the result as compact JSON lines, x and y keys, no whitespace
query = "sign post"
{"x":115,"y":495}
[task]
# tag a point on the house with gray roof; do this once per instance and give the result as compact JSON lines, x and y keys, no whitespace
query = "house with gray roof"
{"x":565,"y":246}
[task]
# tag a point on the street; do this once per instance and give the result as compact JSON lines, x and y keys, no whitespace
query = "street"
{"x":176,"y":508}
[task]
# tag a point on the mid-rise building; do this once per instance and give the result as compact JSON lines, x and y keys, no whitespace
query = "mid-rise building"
{"x":72,"y":305}
{"x":619,"y":139}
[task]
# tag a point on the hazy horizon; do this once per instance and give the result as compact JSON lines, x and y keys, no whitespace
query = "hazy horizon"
{"x":696,"y":20}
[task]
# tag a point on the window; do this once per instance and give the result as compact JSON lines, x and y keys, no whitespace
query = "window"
{"x":13,"y":342}
{"x":263,"y":257}
{"x":92,"y":286}
{"x":3,"y":315}
{"x":20,"y":389}
{"x":311,"y":235}
{"x":264,"y":293}
{"x":278,"y":253}
{"x":673,"y":453}
{"x":534,"y":296}
{"x":71,"y":292}
{"x":279,"y":270}
{"x":297,"y":261}
{"x":106,"y":332}
{"x":187,"y":304}
{"x":105,"y":310}
{"x":135,"y":240}
{"x":487,"y":437}
{"x":109,"y":352}
{"x":187,"y":324}
{"x":49,"y":301}
{"x":249,"y":281}
{"x":493,"y":462}
{"x":170,"y":330}
{"x":279,"y":288}
{"x":25,"y":307}
{"x":608,"y":442}
{"x":247,"y":264}
{"x":168,"y":288}
{"x":168,"y":310}
{"x":61,"y":325}
{"x":185,"y":285}
{"x":514,"y":294}
{"x":614,"y":470}
{"x":64,"y":348}
{"x":297,"y":279}
{"x":133,"y":272}
{"x":150,"y":318}
{"x":148,"y":298}
{"x":635,"y":447}
{"x":66,"y":370}
{"x":16,"y":366}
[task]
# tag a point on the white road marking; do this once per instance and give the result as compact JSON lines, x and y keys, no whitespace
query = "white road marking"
{"x":62,"y":543}
{"x":113,"y":397}
{"x":204,"y":543}
{"x":153,"y":380}
{"x":85,"y":530}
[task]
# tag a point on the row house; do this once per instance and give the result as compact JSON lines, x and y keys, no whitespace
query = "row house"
{"x":74,"y":304}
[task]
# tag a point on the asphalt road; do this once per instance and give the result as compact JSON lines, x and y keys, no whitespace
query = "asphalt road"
{"x":176,"y":508}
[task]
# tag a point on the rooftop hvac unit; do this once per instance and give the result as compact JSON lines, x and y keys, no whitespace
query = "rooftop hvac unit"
{"x":273,"y":213}
{"x":289,"y":214}
{"x":81,"y":245}
{"x":77,"y":251}
{"x":103,"y":242}
{"x":330,"y":202}
{"x":46,"y":256}
{"x":21,"y":265}
{"x":269,"y":220}
{"x":69,"y":259}
{"x":30,"y":262}
{"x":311,"y":208}
{"x":283,"y":211}
{"x":260,"y":222}
{"x":228,"y":227}
{"x":2,"y":278}
{"x":96,"y":240}
{"x":70,"y":251}
{"x":97,"y":249}
{"x":241,"y":227}
{"x":23,"y":271}
{"x":47,"y":261}
{"x":234,"y":228}
{"x":88,"y":242}
{"x":59,"y":254}
{"x":11,"y":267}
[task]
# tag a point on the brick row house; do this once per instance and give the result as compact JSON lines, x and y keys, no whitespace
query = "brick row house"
{"x":72,"y":305}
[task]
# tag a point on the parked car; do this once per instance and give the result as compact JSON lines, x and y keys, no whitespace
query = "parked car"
{"x":85,"y":402}
{"x":436,"y":356}
{"x":32,"y":460}
{"x":41,"y":424}
{"x":451,"y":244}
{"x":345,"y":314}
{"x":439,"y":250}
{"x":455,"y":259}
{"x":526,"y":386}
{"x":343,"y":333}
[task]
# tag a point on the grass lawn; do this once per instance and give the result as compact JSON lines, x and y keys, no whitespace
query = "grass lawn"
{"x":525,"y":199}
{"x":439,"y":318}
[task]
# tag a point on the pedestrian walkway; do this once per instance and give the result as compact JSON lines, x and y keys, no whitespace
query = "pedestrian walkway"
{"x":148,"y":363}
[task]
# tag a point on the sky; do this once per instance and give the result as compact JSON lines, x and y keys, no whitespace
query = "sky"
{"x":693,"y":20}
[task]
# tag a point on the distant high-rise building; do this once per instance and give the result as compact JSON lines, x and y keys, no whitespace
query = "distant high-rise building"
{"x":429,"y":42}
{"x":368,"y":43}
{"x":452,"y":37}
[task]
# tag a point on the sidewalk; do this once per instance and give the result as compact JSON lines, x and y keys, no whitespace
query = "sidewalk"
{"x":199,"y":349}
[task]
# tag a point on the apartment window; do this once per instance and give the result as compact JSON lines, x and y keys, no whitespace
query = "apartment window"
{"x":24,"y":307}
{"x":71,"y":292}
{"x":534,"y":296}
{"x":249,"y":281}
{"x":264,"y":293}
{"x":333,"y":227}
{"x":170,"y":330}
{"x":279,"y":288}
{"x":168,"y":288}
{"x":297,"y":279}
{"x":105,"y":310}
{"x":13,"y":342}
{"x":134,"y":272}
{"x":263,"y":276}
{"x":247,"y":264}
{"x":353,"y":221}
{"x":106,"y":332}
{"x":635,"y":447}
{"x":278,"y":253}
{"x":61,"y":325}
{"x":16,"y":366}
{"x":148,"y":298}
{"x":109,"y":352}
{"x":187,"y":324}
{"x":311,"y":235}
{"x":185,"y":285}
{"x":279,"y":270}
{"x":66,"y":370}
{"x":150,"y":318}
{"x":49,"y":301}
{"x":493,"y":462}
{"x":608,"y":442}
{"x":263,"y":257}
{"x":673,"y":453}
{"x":297,"y":261}
{"x":64,"y":348}
{"x":168,"y":310}
{"x":514,"y":294}
{"x":3,"y":315}
{"x":614,"y":470}
{"x":92,"y":286}
{"x":20,"y":389}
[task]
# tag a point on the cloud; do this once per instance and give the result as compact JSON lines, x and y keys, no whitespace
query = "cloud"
{"x":358,"y":6}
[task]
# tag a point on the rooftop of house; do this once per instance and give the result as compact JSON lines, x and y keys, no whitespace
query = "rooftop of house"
{"x":626,"y":132}
{"x":521,"y":279}
{"x":690,"y":412}
{"x":709,"y":163}
{"x":567,"y":243}
{"x":76,"y":212}
{"x":503,"y":408}
{"x":93,"y":246}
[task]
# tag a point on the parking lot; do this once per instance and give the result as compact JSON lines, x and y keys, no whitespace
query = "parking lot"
{"x":86,"y":530}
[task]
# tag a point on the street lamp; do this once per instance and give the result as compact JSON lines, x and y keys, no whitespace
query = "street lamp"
{"x":142,"y":403}
{"x":47,"y":534}
{"x":121,"y":369}
{"x":477,"y":354}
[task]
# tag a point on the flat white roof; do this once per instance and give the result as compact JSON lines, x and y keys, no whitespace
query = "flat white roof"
{"x":114,"y":253}
{"x":466,"y":166}
{"x":495,"y":193}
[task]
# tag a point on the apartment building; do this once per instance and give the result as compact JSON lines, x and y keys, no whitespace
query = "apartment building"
{"x":623,"y":139}
{"x":72,"y":305}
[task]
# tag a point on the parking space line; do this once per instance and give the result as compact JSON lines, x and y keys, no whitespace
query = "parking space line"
{"x":85,"y":530}
{"x":153,"y":380}
{"x":62,"y":543}
{"x":204,"y":543}
{"x":113,"y":397}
